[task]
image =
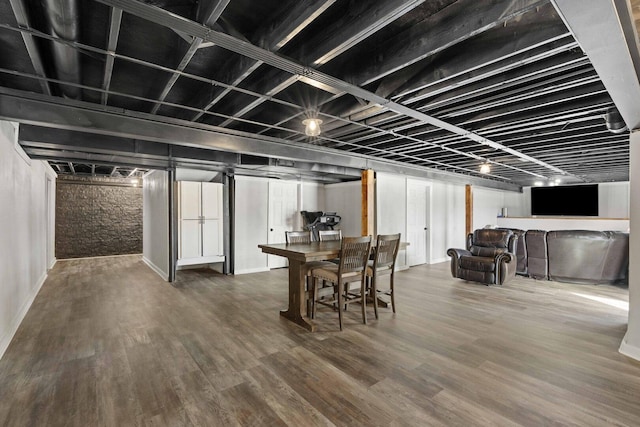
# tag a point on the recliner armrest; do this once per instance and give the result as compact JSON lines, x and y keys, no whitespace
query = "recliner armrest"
{"x":506,"y":264}
{"x":507,"y":256}
{"x":457,"y":253}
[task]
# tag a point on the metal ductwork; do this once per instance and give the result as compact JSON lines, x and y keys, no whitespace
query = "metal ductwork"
{"x":614,"y":121}
{"x":62,"y":16}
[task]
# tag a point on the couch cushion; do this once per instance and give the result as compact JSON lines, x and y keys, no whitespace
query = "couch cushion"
{"x":578,"y":256}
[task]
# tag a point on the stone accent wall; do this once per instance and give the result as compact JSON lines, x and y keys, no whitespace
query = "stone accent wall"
{"x":97,"y":217}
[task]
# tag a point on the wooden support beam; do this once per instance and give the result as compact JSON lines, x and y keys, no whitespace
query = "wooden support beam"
{"x":468,"y":209}
{"x":368,"y":207}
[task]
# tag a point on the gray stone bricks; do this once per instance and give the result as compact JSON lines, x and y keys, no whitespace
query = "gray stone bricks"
{"x":97,"y":217}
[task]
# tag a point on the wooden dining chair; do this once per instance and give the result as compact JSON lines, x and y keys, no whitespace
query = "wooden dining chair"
{"x":325,"y":235}
{"x":383,"y":263}
{"x":354,"y":253}
{"x":297,"y":237}
{"x":304,"y":237}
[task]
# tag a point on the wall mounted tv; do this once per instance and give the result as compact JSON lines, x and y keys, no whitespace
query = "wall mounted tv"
{"x":567,"y":200}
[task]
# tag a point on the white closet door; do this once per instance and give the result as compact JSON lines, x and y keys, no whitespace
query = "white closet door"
{"x":283,"y":209}
{"x":417,"y":222}
{"x":190,"y":207}
{"x":190,"y":238}
{"x":212,"y":238}
{"x":211,"y":200}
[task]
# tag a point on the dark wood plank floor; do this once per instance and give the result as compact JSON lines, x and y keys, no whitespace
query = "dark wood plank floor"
{"x":107,"y":342}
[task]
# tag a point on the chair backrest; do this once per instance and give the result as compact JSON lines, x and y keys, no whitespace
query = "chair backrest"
{"x":354,"y":254}
{"x":491,"y":242}
{"x":386,"y":251}
{"x":298,"y":236}
{"x":326,"y":235}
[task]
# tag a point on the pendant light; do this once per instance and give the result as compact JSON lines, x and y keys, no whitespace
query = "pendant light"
{"x":312,"y":126}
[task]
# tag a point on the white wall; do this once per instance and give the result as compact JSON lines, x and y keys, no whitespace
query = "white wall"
{"x":155,"y":222}
{"x":631,"y":342}
{"x":613,"y":200}
{"x":345,"y":198}
{"x":312,"y":197}
{"x":487,"y":206}
{"x":517,"y":204}
{"x":27,"y":233}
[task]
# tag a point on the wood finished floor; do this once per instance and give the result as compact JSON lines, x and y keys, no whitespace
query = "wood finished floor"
{"x":107,"y":342}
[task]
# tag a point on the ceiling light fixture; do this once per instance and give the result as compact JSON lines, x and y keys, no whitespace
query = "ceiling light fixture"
{"x":485,"y":168}
{"x":312,"y":126}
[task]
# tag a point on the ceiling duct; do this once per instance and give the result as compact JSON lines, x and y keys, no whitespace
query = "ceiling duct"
{"x":614,"y":121}
{"x":62,"y":17}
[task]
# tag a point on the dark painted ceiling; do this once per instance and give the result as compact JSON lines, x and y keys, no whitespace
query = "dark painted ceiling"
{"x":435,"y":86}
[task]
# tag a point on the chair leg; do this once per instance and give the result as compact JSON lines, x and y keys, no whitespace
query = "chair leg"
{"x":363,"y":300}
{"x":374,"y":294}
{"x":347,"y":288}
{"x":340,"y":291}
{"x":393,"y":293}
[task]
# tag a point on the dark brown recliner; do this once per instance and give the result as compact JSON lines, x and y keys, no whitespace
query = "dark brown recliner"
{"x":521,"y":250}
{"x":489,"y":258}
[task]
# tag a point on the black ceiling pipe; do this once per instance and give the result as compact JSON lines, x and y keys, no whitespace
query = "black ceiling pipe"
{"x":62,"y":16}
{"x":614,"y":121}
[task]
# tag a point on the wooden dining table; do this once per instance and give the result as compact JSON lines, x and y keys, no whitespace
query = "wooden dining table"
{"x":298,"y":255}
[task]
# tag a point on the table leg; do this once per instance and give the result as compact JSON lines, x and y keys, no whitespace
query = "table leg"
{"x":297,"y":296}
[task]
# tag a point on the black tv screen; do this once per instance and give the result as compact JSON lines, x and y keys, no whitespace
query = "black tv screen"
{"x":569,"y":200}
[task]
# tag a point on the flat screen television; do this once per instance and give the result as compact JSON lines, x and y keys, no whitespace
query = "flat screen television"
{"x":566,"y":200}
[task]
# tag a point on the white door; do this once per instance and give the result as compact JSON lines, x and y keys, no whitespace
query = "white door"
{"x":190,"y":238}
{"x":190,"y":200}
{"x":283,"y":208}
{"x":211,"y":238}
{"x":212,"y":219}
{"x":211,"y":200}
{"x":417,"y":222}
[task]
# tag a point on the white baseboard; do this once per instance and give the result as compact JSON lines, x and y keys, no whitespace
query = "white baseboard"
{"x":439,"y":260}
{"x":252,"y":270}
{"x":17,"y":320}
{"x":629,"y":350}
{"x":157,"y":269}
{"x":53,"y":263}
{"x":200,"y":260}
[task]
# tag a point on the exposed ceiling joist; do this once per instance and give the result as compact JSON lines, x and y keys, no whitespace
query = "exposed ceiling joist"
{"x":22,"y":17}
{"x":371,"y":17}
{"x":436,"y":34}
{"x":114,"y":32}
{"x":84,"y":117}
{"x":213,"y":11}
{"x":597,"y":27}
{"x":272,"y":38}
{"x":226,"y":41}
